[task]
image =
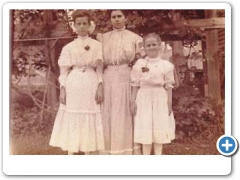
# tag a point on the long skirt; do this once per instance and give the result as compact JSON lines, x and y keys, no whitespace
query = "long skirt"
{"x":117,"y":118}
{"x":78,"y":125}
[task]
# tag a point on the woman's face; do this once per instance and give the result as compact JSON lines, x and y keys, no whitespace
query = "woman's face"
{"x":152,"y":47}
{"x":118,"y":19}
{"x":82,"y":25}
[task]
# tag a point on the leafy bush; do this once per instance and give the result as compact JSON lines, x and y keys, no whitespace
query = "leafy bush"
{"x":196,"y":116}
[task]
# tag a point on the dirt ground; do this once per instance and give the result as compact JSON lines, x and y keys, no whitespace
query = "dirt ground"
{"x":38,"y":145}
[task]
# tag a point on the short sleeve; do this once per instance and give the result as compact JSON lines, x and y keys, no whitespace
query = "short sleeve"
{"x":136,"y":74}
{"x":169,"y":76}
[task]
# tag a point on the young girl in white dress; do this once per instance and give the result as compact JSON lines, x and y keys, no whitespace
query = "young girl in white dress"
{"x":78,"y":124}
{"x":152,"y":80}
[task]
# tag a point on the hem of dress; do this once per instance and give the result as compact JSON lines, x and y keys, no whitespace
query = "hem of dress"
{"x":163,"y":142}
{"x":74,"y":151}
{"x":120,"y":151}
{"x":82,"y":112}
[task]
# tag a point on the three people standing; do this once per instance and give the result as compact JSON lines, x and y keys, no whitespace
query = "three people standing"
{"x":114,"y":132}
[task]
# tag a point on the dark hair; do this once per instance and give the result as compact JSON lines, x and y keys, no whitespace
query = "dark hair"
{"x":81,"y":13}
{"x":109,"y":12}
{"x":155,"y":35}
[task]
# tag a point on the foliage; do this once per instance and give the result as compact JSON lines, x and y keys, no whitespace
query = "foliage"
{"x":29,"y":30}
{"x":19,"y":63}
{"x":28,"y":24}
{"x":196,"y":116}
{"x":141,"y":21}
{"x":23,"y":56}
{"x":31,"y":24}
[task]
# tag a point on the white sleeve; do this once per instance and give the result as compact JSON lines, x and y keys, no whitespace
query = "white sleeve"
{"x":136,"y":74}
{"x":64,"y":63}
{"x":169,"y":76}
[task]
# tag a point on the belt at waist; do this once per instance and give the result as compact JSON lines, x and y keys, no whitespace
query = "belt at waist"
{"x":82,"y":68}
{"x":116,"y":63}
{"x":118,"y":66}
{"x":151,"y":86}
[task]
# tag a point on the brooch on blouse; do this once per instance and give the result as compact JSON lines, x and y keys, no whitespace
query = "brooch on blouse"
{"x":87,"y":47}
{"x":145,"y":69}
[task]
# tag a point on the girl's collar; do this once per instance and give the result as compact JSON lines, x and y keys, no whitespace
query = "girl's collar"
{"x":122,"y":29}
{"x":153,"y":59}
{"x":82,"y":37}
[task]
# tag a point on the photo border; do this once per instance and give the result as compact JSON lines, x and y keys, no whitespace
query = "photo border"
{"x":113,"y":165}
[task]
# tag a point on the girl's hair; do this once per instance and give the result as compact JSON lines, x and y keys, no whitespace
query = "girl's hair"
{"x":80,"y":13}
{"x":153,"y":35}
{"x":109,"y":12}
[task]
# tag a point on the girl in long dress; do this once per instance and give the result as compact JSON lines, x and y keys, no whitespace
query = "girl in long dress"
{"x":78,"y":124}
{"x":152,"y":79}
{"x":120,"y":47}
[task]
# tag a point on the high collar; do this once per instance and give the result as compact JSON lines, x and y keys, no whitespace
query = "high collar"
{"x":82,"y":37}
{"x":118,"y":30}
{"x":153,"y":59}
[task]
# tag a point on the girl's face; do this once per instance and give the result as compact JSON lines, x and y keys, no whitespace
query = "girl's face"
{"x":152,"y":47}
{"x":82,"y":25}
{"x":118,"y":19}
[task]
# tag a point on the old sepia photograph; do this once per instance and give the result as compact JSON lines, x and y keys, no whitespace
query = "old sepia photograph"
{"x":116,"y":81}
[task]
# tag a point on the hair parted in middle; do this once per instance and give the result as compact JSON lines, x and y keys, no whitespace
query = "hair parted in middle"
{"x":109,"y":12}
{"x":81,"y":13}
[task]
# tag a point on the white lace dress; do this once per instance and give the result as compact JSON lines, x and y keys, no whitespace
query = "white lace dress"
{"x":78,"y":125}
{"x":152,"y":124}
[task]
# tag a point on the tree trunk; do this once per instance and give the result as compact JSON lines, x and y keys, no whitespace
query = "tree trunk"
{"x":177,"y":54}
{"x":214,"y":84}
{"x":52,"y":99}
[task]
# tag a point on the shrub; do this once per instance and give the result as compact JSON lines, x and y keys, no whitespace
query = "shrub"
{"x":196,"y":116}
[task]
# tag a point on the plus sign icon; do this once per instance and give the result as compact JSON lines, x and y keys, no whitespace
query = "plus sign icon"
{"x":227,"y":145}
